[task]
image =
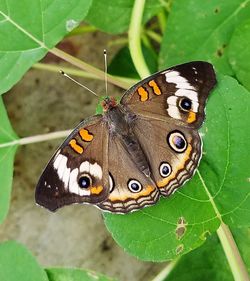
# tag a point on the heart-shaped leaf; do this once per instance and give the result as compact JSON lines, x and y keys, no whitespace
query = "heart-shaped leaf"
{"x":6,"y":161}
{"x":16,"y":263}
{"x":198,"y":31}
{"x":219,"y":190}
{"x":239,"y":53}
{"x":68,"y":274}
{"x":29,"y":29}
{"x":114,"y":16}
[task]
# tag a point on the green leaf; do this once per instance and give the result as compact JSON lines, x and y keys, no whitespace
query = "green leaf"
{"x":201,"y":31}
{"x":219,"y":190}
{"x":209,"y":262}
{"x":68,"y":274}
{"x":122,"y":64}
{"x":6,"y":161}
{"x":239,"y":53}
{"x":114,"y":16}
{"x":29,"y":29}
{"x":16,"y":263}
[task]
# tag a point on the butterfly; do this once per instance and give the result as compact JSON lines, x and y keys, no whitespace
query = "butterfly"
{"x":144,"y":147}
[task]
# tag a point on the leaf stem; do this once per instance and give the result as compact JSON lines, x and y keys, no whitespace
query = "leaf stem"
{"x":154,"y":36}
{"x":134,"y":38}
{"x":80,"y":73}
{"x":37,"y":138}
{"x":166,"y":270}
{"x":82,"y":29}
{"x":232,"y":253}
{"x":89,"y":68}
{"x":230,"y":248}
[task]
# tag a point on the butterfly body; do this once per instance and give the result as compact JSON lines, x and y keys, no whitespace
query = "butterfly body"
{"x":136,"y":151}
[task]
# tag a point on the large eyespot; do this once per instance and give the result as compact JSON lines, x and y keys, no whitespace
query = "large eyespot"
{"x":177,"y":141}
{"x":185,"y":104}
{"x":165,"y":169}
{"x":84,"y":181}
{"x":134,"y":186}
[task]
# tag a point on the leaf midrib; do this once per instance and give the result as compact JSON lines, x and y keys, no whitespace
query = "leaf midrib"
{"x":8,"y":18}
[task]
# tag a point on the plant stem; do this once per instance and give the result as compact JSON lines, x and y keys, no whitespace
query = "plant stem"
{"x":166,"y":270}
{"x":82,"y":29}
{"x":231,"y":250}
{"x":154,"y":36}
{"x":134,"y":37}
{"x":80,"y":73}
{"x":89,"y":68}
{"x":37,"y":138}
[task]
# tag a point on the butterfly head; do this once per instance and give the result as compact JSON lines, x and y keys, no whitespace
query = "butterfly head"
{"x":108,"y":103}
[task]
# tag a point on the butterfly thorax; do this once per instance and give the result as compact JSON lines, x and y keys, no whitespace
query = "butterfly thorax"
{"x":108,"y":103}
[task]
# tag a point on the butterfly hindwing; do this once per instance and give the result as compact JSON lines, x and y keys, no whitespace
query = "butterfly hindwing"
{"x":130,"y":188}
{"x":78,"y":171}
{"x":174,"y":152}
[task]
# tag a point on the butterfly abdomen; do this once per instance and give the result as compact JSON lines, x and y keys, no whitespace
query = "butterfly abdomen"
{"x":121,"y":127}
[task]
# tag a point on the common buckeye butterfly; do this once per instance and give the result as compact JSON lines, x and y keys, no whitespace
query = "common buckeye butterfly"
{"x":146,"y":146}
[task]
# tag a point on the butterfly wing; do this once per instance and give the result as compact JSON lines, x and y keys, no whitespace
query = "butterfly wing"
{"x":130,"y":190}
{"x":174,"y":152}
{"x":178,"y":93}
{"x":78,"y":172}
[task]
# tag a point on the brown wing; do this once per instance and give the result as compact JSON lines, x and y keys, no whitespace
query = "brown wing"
{"x":178,"y":93}
{"x":78,"y":172}
{"x":130,"y":189}
{"x":174,"y":152}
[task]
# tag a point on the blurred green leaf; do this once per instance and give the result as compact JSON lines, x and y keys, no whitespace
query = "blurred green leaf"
{"x":122,"y":64}
{"x":180,"y":223}
{"x":29,"y":29}
{"x":114,"y":16}
{"x":201,"y":31}
{"x":239,"y":53}
{"x":7,"y":155}
{"x":17,"y":264}
{"x":68,"y":274}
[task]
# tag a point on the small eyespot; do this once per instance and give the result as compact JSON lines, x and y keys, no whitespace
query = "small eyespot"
{"x":111,"y":183}
{"x":177,"y":141}
{"x":84,"y":181}
{"x":134,"y":186}
{"x":165,"y":169}
{"x":185,"y":104}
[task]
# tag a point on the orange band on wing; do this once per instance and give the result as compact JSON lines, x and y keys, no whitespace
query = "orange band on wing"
{"x":191,"y":117}
{"x":86,"y":135}
{"x":125,"y":196}
{"x":96,"y":190}
{"x":143,"y":94}
{"x":155,"y":87}
{"x":165,"y":181}
{"x":76,"y":147}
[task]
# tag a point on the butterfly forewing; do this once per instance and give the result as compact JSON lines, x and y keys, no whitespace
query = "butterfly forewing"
{"x":78,"y":172}
{"x":176,"y":94}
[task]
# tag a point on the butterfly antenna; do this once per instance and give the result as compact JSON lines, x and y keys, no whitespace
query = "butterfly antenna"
{"x":105,"y":71}
{"x":78,"y":83}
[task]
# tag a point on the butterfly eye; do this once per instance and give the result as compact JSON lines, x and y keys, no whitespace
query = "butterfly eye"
{"x":84,"y":181}
{"x":134,"y":186}
{"x":177,"y":141}
{"x":185,"y":104}
{"x":165,"y":169}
